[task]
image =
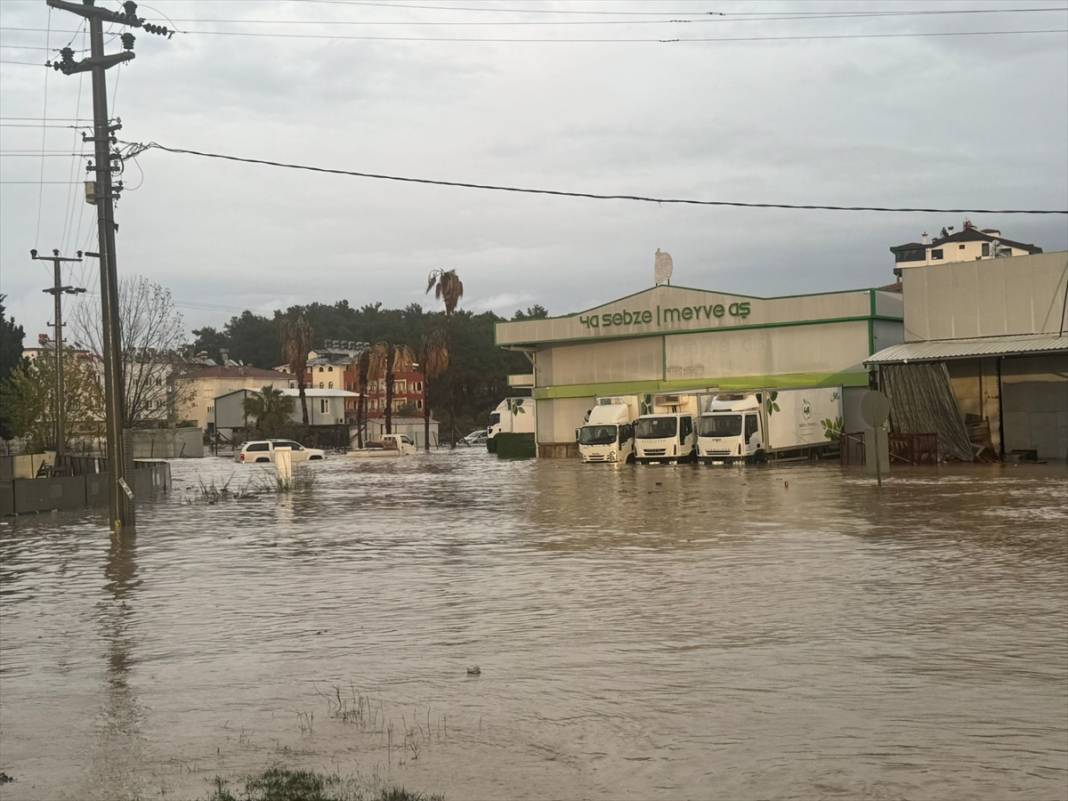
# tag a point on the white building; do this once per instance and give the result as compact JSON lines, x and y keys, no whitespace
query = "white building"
{"x":671,"y":338}
{"x":968,"y":244}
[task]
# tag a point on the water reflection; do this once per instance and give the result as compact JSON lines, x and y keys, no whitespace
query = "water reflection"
{"x":118,"y":752}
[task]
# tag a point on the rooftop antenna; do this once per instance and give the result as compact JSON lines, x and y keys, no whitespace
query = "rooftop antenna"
{"x":662,"y":267}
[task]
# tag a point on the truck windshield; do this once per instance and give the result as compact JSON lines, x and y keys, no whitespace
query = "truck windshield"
{"x":656,"y":427}
{"x":720,"y":425}
{"x":597,"y":435}
{"x":495,"y":418}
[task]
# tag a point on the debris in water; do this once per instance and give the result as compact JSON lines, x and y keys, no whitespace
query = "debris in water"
{"x":4,"y":778}
{"x":474,"y":670}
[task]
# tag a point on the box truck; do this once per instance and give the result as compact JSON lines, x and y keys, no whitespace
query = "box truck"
{"x":667,"y":432}
{"x":608,"y":433}
{"x":768,"y":424}
{"x":512,"y":416}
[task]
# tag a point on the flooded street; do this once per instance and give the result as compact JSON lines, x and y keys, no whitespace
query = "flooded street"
{"x":654,"y":633}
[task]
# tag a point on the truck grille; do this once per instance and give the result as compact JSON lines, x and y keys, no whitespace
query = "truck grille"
{"x":656,"y":451}
{"x":595,"y":458}
{"x":719,"y":453}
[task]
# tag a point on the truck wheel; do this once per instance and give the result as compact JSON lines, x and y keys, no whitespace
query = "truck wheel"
{"x":760,"y":457}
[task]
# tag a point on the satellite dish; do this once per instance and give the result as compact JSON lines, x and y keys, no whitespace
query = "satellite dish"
{"x":663,"y":267}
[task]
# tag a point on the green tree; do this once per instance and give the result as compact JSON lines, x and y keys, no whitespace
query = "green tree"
{"x":211,"y":342}
{"x":535,"y":312}
{"x":11,"y":337}
{"x":28,"y":396}
{"x":271,"y":410}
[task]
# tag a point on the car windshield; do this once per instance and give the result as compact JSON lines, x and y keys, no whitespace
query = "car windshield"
{"x":597,"y":435}
{"x":720,"y":425}
{"x":656,"y":427}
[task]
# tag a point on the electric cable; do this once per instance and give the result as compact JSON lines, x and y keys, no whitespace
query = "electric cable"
{"x":136,"y":149}
{"x":44,"y":136}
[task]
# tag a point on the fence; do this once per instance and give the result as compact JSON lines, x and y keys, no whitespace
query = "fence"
{"x":77,"y":491}
{"x":905,"y":449}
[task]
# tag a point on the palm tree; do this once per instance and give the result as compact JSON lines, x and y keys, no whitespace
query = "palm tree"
{"x":363,"y":366}
{"x":448,"y":288}
{"x":270,"y":409}
{"x":386,"y":359}
{"x":296,"y":342}
{"x":434,"y":361}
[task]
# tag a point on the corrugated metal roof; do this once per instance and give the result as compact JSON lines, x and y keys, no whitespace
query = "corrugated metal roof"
{"x":940,"y":349}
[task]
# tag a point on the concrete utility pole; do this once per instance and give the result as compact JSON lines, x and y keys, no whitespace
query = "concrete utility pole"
{"x":120,"y":493}
{"x":57,"y":291}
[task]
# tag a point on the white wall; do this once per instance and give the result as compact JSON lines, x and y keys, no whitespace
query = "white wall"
{"x":994,"y":297}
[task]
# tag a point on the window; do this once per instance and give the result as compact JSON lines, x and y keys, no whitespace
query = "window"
{"x":687,"y":427}
{"x":750,"y":426}
{"x":720,"y":425}
{"x":258,"y":446}
{"x":656,"y":428}
{"x":320,"y":368}
{"x":321,"y":385}
{"x":986,"y":249}
{"x":324,"y":405}
{"x":330,"y":385}
{"x":418,"y":404}
{"x":418,"y":386}
{"x":936,"y":253}
{"x":960,"y":247}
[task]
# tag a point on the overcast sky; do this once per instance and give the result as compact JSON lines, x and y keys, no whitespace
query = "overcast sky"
{"x":972,"y":122}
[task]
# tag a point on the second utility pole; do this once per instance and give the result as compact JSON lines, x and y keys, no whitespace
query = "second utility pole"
{"x":57,"y":292}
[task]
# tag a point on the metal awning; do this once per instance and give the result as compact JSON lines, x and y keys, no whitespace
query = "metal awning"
{"x":937,"y":350}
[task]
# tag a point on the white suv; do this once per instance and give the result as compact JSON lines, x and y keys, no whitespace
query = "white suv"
{"x":262,"y":450}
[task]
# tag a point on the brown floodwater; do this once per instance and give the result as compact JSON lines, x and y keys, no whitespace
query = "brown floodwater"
{"x":789,"y":632}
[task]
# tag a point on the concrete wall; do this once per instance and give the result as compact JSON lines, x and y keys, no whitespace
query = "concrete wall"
{"x":599,"y":362}
{"x":994,"y":297}
{"x":411,"y":427}
{"x":166,"y":443}
{"x":28,"y":496}
{"x":763,"y":353}
{"x":558,"y":419}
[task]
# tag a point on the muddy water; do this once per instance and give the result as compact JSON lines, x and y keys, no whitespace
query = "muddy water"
{"x":663,"y":633}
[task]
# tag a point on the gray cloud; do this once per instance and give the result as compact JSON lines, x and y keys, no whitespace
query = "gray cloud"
{"x":976,"y":122}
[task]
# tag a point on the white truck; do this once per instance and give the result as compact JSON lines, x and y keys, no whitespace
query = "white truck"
{"x":667,"y":434}
{"x":608,"y":434}
{"x":391,"y":445}
{"x":768,"y":424}
{"x":512,"y":416}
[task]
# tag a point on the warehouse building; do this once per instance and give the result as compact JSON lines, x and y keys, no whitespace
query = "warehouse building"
{"x":671,"y":339}
{"x":984,"y":362}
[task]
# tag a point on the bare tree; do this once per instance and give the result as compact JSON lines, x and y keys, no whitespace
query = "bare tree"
{"x":153,"y":332}
{"x":296,"y":342}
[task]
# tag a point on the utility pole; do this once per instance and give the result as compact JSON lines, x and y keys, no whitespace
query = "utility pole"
{"x":57,"y":291}
{"x":103,"y":194}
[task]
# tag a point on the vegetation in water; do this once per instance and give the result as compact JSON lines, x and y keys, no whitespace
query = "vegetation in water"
{"x":282,"y":784}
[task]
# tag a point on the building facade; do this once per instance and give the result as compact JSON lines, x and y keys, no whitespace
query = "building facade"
{"x":671,"y":339}
{"x":968,"y":244}
{"x":994,"y":333}
{"x":198,"y":388}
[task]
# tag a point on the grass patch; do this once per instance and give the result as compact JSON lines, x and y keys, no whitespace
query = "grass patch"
{"x":282,"y":784}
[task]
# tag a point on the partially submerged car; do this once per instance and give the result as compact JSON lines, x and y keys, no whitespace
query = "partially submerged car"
{"x":262,"y":450}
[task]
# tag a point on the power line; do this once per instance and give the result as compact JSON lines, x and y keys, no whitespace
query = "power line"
{"x":22,"y":63}
{"x":44,"y":134}
{"x":725,"y":18}
{"x":623,"y":40}
{"x":136,"y":149}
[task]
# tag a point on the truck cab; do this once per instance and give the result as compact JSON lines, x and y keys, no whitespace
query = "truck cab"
{"x":608,"y":435}
{"x":512,"y":416}
{"x":731,"y":429}
{"x":664,"y":438}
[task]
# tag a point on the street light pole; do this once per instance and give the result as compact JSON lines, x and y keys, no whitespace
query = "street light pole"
{"x":57,"y":291}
